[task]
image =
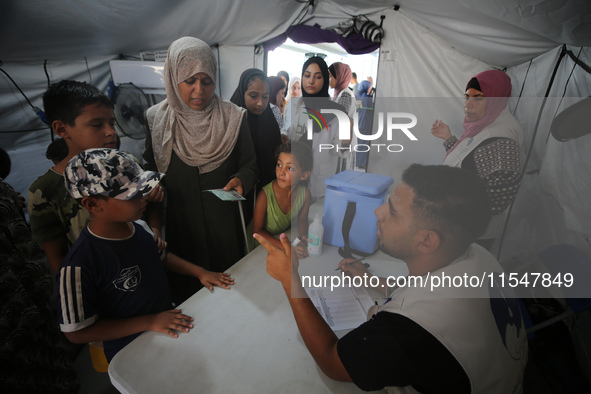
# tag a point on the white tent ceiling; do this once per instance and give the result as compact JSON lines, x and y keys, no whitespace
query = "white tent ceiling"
{"x":485,"y":29}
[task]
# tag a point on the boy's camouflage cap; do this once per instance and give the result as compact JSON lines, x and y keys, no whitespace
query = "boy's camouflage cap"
{"x":110,"y":173}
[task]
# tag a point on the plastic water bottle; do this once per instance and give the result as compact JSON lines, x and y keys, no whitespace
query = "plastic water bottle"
{"x":315,"y":234}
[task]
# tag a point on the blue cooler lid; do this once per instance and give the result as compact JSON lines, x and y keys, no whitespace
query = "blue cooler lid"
{"x":359,"y":182}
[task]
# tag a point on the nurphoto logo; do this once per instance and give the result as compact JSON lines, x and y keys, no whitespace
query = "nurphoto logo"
{"x":395,"y":121}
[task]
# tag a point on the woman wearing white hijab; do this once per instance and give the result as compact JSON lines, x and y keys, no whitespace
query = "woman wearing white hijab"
{"x":294,"y":89}
{"x":201,"y":143}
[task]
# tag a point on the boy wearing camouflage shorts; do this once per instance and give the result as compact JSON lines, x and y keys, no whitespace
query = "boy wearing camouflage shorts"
{"x":112,"y":283}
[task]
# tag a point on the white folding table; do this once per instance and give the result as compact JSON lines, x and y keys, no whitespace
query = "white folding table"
{"x":244,"y":340}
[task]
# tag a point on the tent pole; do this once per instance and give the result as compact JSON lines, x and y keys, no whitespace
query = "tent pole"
{"x":563,"y":52}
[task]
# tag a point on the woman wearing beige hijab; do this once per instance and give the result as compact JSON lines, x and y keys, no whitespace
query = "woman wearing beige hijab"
{"x":201,"y":143}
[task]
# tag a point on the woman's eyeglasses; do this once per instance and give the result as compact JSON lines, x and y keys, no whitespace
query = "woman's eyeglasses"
{"x":312,"y":54}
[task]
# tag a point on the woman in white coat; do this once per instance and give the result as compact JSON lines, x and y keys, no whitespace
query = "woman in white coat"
{"x":325,"y":126}
{"x":490,"y":144}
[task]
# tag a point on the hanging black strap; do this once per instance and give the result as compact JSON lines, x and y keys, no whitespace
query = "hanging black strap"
{"x":346,"y":251}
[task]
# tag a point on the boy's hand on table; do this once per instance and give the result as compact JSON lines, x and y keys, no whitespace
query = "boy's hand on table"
{"x":210,"y":279}
{"x":168,"y":322}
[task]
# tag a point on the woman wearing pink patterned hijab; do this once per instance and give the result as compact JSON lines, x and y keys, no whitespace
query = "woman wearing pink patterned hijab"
{"x":490,"y":144}
{"x":479,"y":111}
{"x":339,"y":76}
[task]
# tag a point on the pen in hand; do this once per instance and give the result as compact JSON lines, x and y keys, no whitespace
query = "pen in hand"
{"x":366,"y":265}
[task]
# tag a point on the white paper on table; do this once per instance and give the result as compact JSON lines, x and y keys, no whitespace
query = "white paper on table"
{"x":343,"y":308}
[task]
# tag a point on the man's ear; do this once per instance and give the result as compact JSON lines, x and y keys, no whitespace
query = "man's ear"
{"x":92,"y":204}
{"x":305,"y":175}
{"x":428,"y":241}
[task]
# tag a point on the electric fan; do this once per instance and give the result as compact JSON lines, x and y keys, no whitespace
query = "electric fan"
{"x":130,"y":105}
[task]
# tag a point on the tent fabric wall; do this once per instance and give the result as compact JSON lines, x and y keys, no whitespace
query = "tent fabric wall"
{"x":430,"y":50}
{"x":500,"y":32}
{"x":474,"y":24}
{"x":416,"y":62}
{"x":552,"y":206}
{"x":69,"y":30}
{"x":229,"y":56}
{"x":27,"y":148}
{"x":484,"y":29}
{"x":353,"y":42}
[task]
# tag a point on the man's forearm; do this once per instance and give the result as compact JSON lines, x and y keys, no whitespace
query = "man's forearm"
{"x":317,"y":335}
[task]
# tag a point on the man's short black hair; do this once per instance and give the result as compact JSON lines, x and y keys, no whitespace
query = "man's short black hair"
{"x":64,"y":100}
{"x":452,"y":201}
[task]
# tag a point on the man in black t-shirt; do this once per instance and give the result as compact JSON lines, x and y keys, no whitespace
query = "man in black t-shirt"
{"x":449,"y":344}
